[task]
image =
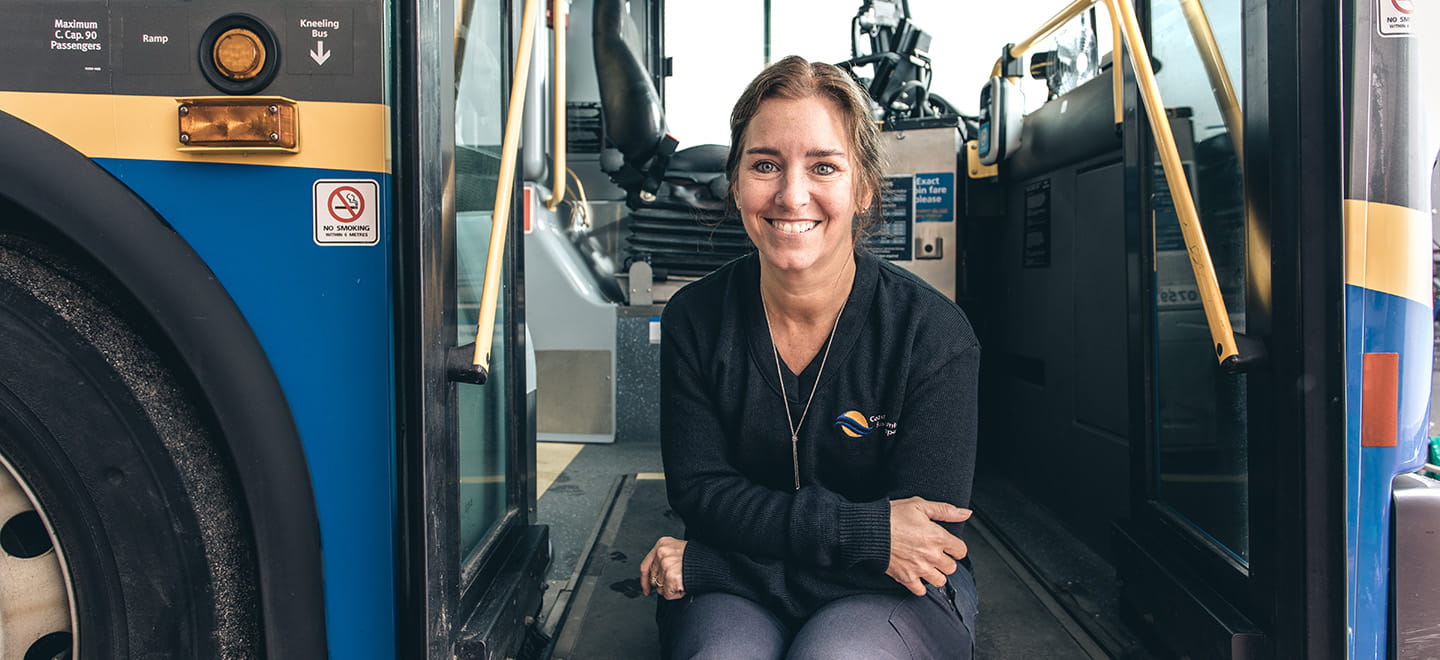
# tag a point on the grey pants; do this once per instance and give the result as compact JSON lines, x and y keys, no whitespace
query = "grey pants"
{"x":721,"y":626}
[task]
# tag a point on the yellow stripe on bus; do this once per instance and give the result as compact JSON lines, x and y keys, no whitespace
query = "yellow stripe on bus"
{"x":1387,"y":249}
{"x":333,"y":136}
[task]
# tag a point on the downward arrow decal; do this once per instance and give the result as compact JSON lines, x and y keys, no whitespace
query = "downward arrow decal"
{"x":319,"y":54}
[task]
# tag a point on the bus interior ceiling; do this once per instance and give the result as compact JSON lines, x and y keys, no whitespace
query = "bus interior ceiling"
{"x":1045,"y":261}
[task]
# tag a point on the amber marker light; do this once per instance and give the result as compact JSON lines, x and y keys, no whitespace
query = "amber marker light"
{"x":228,"y":123}
{"x":239,"y":54}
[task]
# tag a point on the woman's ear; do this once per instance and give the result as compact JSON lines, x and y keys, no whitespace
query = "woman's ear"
{"x":866,"y":198}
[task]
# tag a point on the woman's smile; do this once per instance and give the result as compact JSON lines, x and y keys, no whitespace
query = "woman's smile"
{"x":792,"y":226}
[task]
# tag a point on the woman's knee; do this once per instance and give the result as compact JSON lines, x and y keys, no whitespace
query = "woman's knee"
{"x":884,"y":627}
{"x":854,"y":628}
{"x":718,"y":626}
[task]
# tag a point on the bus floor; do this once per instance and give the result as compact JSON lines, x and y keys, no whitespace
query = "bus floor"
{"x":605,"y":505}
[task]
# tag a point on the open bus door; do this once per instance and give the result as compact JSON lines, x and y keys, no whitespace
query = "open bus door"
{"x":1217,"y":492}
{"x":1259,"y":518}
{"x":473,"y":560}
{"x":1264,"y":518}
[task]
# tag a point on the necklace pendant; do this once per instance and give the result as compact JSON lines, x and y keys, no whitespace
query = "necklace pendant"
{"x":785,"y":399}
{"x":795,"y":457}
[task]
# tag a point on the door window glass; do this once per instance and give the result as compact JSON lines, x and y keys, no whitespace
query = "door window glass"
{"x":1202,"y":441}
{"x":481,"y":409}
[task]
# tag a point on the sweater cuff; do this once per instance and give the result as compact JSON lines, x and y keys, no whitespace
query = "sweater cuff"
{"x":703,"y":568}
{"x":864,"y":532}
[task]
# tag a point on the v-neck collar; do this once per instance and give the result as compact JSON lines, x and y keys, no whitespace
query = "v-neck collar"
{"x":762,"y":351}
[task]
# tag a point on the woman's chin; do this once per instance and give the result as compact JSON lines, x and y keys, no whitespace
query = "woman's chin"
{"x":791,"y":261}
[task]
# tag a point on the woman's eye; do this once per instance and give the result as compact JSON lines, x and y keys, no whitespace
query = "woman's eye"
{"x":825,"y":169}
{"x":765,"y":167}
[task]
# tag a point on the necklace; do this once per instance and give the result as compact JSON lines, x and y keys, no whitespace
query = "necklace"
{"x":785,"y":399}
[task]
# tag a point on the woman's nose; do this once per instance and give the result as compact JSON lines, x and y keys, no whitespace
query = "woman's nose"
{"x":793,"y":193}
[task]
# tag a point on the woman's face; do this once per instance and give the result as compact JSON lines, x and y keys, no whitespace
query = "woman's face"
{"x":796,"y":184}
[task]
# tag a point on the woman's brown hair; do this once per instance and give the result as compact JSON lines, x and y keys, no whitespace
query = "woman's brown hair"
{"x":796,"y":78}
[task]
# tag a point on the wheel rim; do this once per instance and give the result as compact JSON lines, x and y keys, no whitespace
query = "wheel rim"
{"x":37,"y":614}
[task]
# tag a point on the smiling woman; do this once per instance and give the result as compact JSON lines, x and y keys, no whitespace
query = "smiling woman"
{"x":830,"y":543}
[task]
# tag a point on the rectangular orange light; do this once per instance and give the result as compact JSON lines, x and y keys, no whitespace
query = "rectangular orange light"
{"x":229,"y":123}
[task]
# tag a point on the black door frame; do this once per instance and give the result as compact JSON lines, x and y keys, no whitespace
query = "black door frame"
{"x":449,"y":604}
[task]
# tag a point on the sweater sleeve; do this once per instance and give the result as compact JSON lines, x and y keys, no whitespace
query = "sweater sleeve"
{"x":722,"y":506}
{"x":935,"y":457}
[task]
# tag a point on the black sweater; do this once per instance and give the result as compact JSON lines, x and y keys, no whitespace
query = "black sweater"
{"x":894,"y":417}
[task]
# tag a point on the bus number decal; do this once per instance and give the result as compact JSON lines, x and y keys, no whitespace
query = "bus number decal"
{"x":1178,"y":297}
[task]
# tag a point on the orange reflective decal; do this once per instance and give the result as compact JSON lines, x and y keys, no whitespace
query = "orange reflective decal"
{"x":1380,"y":400}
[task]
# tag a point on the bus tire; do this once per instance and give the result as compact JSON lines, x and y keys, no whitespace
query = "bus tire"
{"x":143,"y":512}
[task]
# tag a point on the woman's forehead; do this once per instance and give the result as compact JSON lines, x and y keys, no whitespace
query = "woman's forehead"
{"x":809,"y":126}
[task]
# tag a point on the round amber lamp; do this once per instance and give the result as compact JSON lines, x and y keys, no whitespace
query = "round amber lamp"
{"x":239,"y":54}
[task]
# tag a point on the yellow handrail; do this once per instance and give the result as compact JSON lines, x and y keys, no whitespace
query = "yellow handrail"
{"x":560,"y":23}
{"x":490,"y":293}
{"x":1064,"y":16}
{"x":1215,"y":69}
{"x":1117,"y":81}
{"x":464,"y":10}
{"x":1048,"y":28}
{"x":1122,"y":13}
{"x":1218,"y":318}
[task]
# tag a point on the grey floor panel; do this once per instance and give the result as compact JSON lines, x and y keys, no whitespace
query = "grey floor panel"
{"x":611,"y":619}
{"x":1081,"y":580}
{"x":1014,"y":622}
{"x":572,"y":504}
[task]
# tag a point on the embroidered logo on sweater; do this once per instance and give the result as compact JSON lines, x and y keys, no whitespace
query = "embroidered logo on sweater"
{"x":855,"y":424}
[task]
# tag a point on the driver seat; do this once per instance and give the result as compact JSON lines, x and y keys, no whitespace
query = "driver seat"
{"x":677,"y":198}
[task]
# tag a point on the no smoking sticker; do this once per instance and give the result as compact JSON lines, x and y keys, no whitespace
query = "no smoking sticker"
{"x":345,"y":212}
{"x":1396,"y":18}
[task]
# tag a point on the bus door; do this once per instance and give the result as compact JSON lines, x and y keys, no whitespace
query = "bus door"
{"x":473,"y":558}
{"x":1231,"y":548}
{"x":1211,"y":483}
{"x":1193,"y":490}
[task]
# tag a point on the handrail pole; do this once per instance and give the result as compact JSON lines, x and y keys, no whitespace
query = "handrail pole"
{"x":490,"y":293}
{"x":1213,"y":302}
{"x":1215,"y":69}
{"x":1070,"y":11}
{"x":1117,"y":81}
{"x":464,"y":10}
{"x":560,"y":23}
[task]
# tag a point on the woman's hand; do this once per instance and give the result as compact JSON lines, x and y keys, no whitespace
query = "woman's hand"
{"x":920,"y":550}
{"x":663,"y":569}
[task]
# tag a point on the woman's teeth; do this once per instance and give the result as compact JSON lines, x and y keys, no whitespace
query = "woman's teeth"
{"x":794,"y":227}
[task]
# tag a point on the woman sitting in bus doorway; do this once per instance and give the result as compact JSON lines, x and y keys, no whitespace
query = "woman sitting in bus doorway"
{"x":828,"y":527}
